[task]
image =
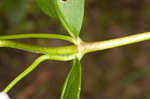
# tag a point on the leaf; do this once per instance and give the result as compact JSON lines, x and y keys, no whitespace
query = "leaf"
{"x":72,"y":85}
{"x":69,"y":12}
{"x":48,"y":7}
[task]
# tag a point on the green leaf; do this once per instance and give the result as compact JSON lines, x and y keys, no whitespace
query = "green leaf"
{"x":69,"y":12}
{"x":48,"y":7}
{"x":72,"y":85}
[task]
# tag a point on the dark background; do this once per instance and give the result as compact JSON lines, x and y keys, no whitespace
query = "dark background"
{"x":118,"y":73}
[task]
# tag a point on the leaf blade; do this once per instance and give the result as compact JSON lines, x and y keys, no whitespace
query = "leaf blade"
{"x":69,"y":12}
{"x":47,"y":6}
{"x":72,"y":85}
{"x":73,"y":12}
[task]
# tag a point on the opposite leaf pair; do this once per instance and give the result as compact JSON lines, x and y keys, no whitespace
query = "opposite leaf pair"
{"x":70,"y":13}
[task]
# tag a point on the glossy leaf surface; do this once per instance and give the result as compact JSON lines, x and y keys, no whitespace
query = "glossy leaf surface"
{"x":69,"y":12}
{"x":72,"y":86}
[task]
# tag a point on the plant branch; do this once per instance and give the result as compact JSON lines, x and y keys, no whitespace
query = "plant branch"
{"x":26,"y":72}
{"x":102,"y":45}
{"x":69,"y":52}
{"x":61,"y":50}
{"x":37,"y":35}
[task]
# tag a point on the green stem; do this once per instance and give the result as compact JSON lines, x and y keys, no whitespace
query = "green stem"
{"x":69,"y":52}
{"x":36,"y":35}
{"x":102,"y":45}
{"x":26,"y":72}
{"x":62,"y":50}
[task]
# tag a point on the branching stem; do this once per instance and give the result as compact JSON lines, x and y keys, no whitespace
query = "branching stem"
{"x":26,"y":72}
{"x":66,"y":53}
{"x":82,"y":47}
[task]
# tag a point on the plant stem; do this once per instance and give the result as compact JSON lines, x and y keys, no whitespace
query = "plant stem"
{"x":37,"y":35}
{"x":102,"y":45}
{"x":62,"y":50}
{"x":26,"y":72}
{"x":69,"y":52}
{"x":62,"y":53}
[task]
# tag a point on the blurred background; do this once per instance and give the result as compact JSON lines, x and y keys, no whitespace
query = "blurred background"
{"x":118,"y":73}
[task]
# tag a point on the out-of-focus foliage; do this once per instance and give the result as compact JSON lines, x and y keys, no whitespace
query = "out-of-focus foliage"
{"x":110,"y":74}
{"x":14,"y":10}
